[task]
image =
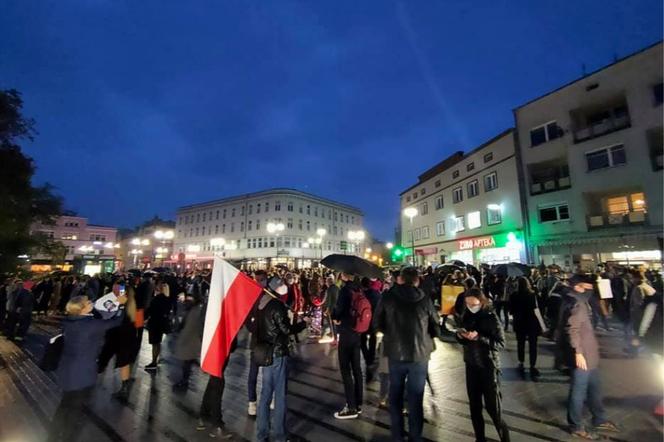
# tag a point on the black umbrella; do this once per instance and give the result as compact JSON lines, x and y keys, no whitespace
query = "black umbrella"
{"x":513,"y":270}
{"x":353,"y":265}
{"x":456,"y":262}
{"x":449,"y":267}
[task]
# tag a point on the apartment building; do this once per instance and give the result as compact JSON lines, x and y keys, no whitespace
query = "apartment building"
{"x":467,"y":207}
{"x":277,"y":226}
{"x":591,"y":156}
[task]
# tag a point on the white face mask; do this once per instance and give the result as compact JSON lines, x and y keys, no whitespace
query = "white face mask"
{"x":282,"y":290}
{"x":475,"y":309}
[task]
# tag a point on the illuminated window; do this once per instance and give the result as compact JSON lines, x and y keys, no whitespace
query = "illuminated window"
{"x":638,"y":201}
{"x":459,"y":224}
{"x":474,"y":220}
{"x":440,"y":228}
{"x":618,"y":205}
{"x":494,"y":215}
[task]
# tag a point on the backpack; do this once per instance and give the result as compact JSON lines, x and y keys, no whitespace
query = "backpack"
{"x":360,"y":311}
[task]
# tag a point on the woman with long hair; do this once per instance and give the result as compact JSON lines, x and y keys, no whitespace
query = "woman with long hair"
{"x":158,"y":316}
{"x":523,"y":303}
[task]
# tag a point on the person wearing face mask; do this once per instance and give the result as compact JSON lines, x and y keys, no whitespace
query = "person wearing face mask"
{"x":482,"y":337}
{"x":582,"y":353}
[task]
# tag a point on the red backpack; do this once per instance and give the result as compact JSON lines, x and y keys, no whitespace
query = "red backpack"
{"x":360,"y":310}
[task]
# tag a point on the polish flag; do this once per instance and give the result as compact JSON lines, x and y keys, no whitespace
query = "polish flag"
{"x":232,"y":295}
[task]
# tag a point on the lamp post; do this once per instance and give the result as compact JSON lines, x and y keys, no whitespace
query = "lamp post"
{"x":275,"y":229}
{"x":411,"y":212}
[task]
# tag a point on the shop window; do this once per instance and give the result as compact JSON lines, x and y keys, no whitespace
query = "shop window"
{"x":488,"y":157}
{"x":473,"y":188}
{"x":457,"y":195}
{"x":425,"y":232}
{"x":470,"y":166}
{"x":494,"y":215}
{"x":439,"y":202}
{"x":474,"y":220}
{"x":440,"y":228}
{"x":425,"y":209}
{"x":553,"y":213}
{"x":606,"y":157}
{"x":490,"y":182}
{"x":544,"y":133}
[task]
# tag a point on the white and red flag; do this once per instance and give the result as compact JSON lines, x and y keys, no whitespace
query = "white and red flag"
{"x":232,"y":294}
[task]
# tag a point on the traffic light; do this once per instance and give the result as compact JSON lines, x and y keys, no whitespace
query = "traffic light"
{"x":397,"y":253}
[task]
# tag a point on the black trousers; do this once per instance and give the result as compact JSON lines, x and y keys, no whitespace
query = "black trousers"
{"x":69,"y":418}
{"x":351,"y":370}
{"x":483,"y":383}
{"x":368,"y":346}
{"x":532,"y":347}
{"x":503,"y":306}
{"x":211,"y":405}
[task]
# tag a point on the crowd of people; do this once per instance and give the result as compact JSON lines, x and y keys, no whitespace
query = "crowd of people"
{"x":391,"y":323}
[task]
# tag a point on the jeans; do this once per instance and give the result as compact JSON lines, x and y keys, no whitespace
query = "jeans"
{"x":483,"y":383}
{"x":275,"y":379}
{"x":351,"y":370}
{"x":69,"y":418}
{"x":585,"y":386}
{"x":532,"y":347}
{"x":409,"y":376}
{"x":252,"y":380}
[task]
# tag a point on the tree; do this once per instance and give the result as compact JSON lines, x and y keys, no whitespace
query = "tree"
{"x":21,"y":203}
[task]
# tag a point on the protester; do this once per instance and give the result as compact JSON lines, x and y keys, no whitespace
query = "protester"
{"x":252,"y":379}
{"x":273,"y":330}
{"x":582,"y":352}
{"x":211,"y":414}
{"x":158,"y":316}
{"x":20,"y":304}
{"x":77,"y":369}
{"x":523,"y":303}
{"x":409,"y":322}
{"x":349,"y":348}
{"x":368,"y":338}
{"x":188,"y":344}
{"x":482,"y":337}
{"x":331,"y":295}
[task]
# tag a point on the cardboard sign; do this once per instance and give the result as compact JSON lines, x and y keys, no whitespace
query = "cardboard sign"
{"x":604,"y":286}
{"x":448,"y":297}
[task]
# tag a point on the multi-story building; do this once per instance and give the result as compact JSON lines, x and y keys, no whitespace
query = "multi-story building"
{"x":467,"y":207}
{"x":149,"y":245}
{"x":90,"y":248}
{"x":266,"y":228}
{"x":591,"y":155}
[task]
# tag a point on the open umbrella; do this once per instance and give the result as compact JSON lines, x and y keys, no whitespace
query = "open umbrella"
{"x":513,"y":270}
{"x":449,"y":267}
{"x":353,"y":265}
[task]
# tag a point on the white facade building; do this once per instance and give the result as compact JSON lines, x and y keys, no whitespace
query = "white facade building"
{"x":591,"y":154}
{"x":303,"y":228}
{"x":468,"y":207}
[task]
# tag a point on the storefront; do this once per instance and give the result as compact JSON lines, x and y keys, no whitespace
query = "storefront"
{"x":489,"y":249}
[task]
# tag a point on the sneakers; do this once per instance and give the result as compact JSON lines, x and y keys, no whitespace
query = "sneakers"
{"x":251,"y":410}
{"x":152,"y":366}
{"x":220,"y":433}
{"x":608,"y":426}
{"x":534,"y":372}
{"x":346,"y":413}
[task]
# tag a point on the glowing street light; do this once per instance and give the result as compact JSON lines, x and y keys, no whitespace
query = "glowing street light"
{"x":136,"y":242}
{"x":411,"y":212}
{"x":275,"y":228}
{"x":389,"y":246}
{"x":145,"y":242}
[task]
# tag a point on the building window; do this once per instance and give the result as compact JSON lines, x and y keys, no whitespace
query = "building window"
{"x":267,"y":207}
{"x":217,"y":217}
{"x":459,"y":225}
{"x":425,"y":232}
{"x":457,"y":195}
{"x":197,"y":230}
{"x":488,"y":157}
{"x":277,"y":206}
{"x":223,"y":228}
{"x":335,"y":229}
{"x":290,"y":206}
{"x":418,"y":233}
{"x":606,"y":157}
{"x":290,"y":223}
{"x":474,"y":220}
{"x":422,"y":191}
{"x":248,"y":225}
{"x":494,"y":214}
{"x":455,"y":174}
{"x":315,"y":211}
{"x":490,"y":182}
{"x":415,"y":195}
{"x":656,"y":147}
{"x":223,"y":215}
{"x":233,"y":212}
{"x":553,"y":213}
{"x":232,"y":227}
{"x":470,"y":166}
{"x":198,"y":217}
{"x":546,"y":132}
{"x":299,"y":224}
{"x":439,"y":202}
{"x":300,"y":208}
{"x":473,"y":188}
{"x":425,"y":209}
{"x":440,"y":228}
{"x":251,"y":209}
{"x":216,"y":228}
{"x":242,"y":211}
{"x":657,"y":92}
{"x":336,"y":216}
{"x":346,"y":219}
{"x":308,"y":226}
{"x":258,"y":208}
{"x":624,"y":204}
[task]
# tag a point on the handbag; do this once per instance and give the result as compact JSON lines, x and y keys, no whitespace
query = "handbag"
{"x":263,"y":352}
{"x":53,"y":353}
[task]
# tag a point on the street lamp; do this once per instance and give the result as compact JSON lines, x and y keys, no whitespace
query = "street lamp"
{"x":357,"y":236}
{"x":136,"y":242}
{"x":411,"y":212}
{"x":275,"y":229}
{"x":389,"y":246}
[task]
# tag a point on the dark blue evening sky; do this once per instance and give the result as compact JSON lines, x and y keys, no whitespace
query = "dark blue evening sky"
{"x":144,"y":106}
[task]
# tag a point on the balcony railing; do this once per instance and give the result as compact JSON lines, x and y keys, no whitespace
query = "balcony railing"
{"x":551,"y":185}
{"x":604,"y":127}
{"x":613,"y":220}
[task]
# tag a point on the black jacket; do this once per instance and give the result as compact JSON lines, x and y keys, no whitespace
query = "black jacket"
{"x":522,"y":306}
{"x":158,"y":313}
{"x":484,"y":351}
{"x":409,"y":322}
{"x":273,"y":326}
{"x":341,"y":311}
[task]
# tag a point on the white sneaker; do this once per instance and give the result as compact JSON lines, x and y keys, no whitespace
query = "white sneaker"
{"x":251,"y":410}
{"x":272,"y":404}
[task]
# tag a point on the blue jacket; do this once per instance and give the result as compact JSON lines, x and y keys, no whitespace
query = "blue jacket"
{"x":84,"y":337}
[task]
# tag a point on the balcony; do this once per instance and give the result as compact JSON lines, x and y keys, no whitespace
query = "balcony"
{"x":605,"y":220}
{"x":596,"y":121}
{"x":549,"y":176}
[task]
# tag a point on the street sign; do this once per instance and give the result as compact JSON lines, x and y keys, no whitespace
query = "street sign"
{"x":343,"y":245}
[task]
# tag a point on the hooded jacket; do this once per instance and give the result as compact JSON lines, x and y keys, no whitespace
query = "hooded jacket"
{"x":409,"y":322}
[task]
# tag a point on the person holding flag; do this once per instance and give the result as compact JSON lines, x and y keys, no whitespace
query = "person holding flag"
{"x":232,"y":295}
